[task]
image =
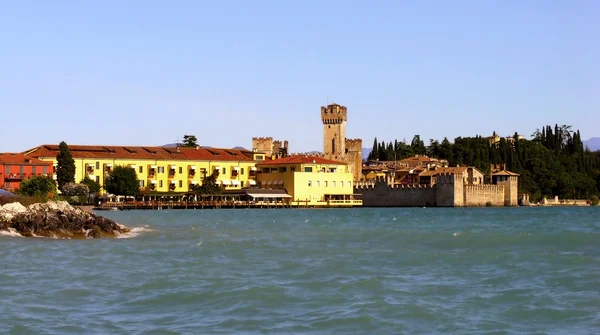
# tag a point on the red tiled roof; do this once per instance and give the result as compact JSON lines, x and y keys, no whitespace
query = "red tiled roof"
{"x":301,"y":159}
{"x":20,"y":159}
{"x":137,"y":152}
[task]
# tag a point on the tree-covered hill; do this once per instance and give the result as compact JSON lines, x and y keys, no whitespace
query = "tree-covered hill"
{"x":553,"y":163}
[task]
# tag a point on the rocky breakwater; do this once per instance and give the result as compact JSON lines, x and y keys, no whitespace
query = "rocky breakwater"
{"x":57,"y":220}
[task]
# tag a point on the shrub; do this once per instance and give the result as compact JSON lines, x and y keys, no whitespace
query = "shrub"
{"x":40,"y":186}
{"x":488,"y":204}
{"x":595,"y":200}
{"x":75,"y":189}
{"x":92,"y":185}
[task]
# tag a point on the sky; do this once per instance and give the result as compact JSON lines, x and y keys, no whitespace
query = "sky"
{"x":148,"y":72}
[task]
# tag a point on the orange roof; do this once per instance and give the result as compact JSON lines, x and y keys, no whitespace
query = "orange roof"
{"x":301,"y":159}
{"x":20,"y":159}
{"x":153,"y":153}
{"x":437,"y":171}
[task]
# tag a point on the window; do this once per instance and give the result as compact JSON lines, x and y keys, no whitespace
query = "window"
{"x":224,"y":170}
{"x":318,"y":183}
{"x":180,"y":171}
{"x":242,"y":172}
{"x":160,"y":183}
{"x":141,"y":169}
{"x":293,"y":169}
{"x":22,"y":170}
{"x":308,"y":169}
{"x":141,"y":183}
{"x":98,"y":179}
{"x":260,"y":157}
{"x":349,"y":184}
{"x":332,"y":170}
{"x":8,"y":169}
{"x":97,"y":165}
{"x":44,"y":169}
{"x":161,"y":169}
{"x":8,"y":184}
{"x":333,"y":183}
{"x":283,"y":169}
{"x":342,"y":183}
{"x":242,"y":182}
{"x":325,"y":183}
{"x":33,"y":170}
{"x":180,"y":182}
{"x":309,"y":183}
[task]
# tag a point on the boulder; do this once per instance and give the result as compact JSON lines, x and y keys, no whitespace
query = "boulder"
{"x":56,"y":219}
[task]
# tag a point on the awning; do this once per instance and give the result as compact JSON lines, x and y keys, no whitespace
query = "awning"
{"x":235,"y":168}
{"x":268,"y":182}
{"x":278,"y":182}
{"x":218,"y":182}
{"x":193,"y":167}
{"x":152,"y":181}
{"x":267,"y":195}
{"x":216,"y":168}
{"x":226,"y":182}
{"x":235,"y":182}
{"x":173,"y":181}
{"x":253,"y":168}
{"x":109,"y":165}
{"x":153,"y":166}
{"x":251,"y":182}
{"x":133,"y":166}
{"x":194,"y":182}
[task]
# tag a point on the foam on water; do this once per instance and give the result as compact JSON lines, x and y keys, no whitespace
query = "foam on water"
{"x":134,"y":232}
{"x":10,"y":232}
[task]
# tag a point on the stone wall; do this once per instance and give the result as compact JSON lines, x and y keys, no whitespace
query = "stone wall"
{"x":380,"y":194}
{"x":480,"y":195}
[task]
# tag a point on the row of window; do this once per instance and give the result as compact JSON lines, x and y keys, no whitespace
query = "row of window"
{"x":325,"y":183}
{"x":34,"y":169}
{"x":283,"y":169}
{"x":180,"y":182}
{"x":161,"y":169}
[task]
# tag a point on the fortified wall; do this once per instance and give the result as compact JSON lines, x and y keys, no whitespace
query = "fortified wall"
{"x":449,"y":191}
{"x":269,"y":146}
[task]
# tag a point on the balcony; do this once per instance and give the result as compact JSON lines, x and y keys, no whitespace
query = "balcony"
{"x":14,"y":176}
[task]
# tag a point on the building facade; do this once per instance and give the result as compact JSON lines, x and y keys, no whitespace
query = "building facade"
{"x":16,"y":167}
{"x":159,"y":169}
{"x":310,"y":180}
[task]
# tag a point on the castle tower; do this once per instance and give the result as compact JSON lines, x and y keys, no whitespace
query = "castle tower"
{"x":334,"y":119}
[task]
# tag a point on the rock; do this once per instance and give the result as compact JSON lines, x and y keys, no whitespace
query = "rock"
{"x":57,"y":219}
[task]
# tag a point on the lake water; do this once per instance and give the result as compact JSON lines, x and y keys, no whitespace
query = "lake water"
{"x":323,"y":271}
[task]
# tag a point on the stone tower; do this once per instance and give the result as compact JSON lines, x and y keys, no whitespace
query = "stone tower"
{"x":334,"y":119}
{"x":335,"y":144}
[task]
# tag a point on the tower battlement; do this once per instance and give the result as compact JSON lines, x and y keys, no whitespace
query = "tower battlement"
{"x":334,"y":114}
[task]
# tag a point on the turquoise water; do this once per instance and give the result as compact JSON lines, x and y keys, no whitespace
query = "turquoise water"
{"x":354,"y":271}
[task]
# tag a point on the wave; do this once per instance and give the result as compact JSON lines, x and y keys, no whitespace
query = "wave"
{"x":134,"y":232}
{"x":11,"y":232}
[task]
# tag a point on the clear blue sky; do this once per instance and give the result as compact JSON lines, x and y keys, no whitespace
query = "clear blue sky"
{"x":148,"y":72}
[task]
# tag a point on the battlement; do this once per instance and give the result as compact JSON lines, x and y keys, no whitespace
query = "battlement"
{"x":334,"y":114}
{"x":448,"y":178}
{"x":261,"y":139}
{"x":484,"y":188}
{"x":354,"y":144}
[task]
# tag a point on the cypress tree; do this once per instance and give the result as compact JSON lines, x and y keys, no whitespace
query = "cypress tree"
{"x":65,"y":167}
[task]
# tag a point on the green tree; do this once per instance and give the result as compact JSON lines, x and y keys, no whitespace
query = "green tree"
{"x":418,"y":146}
{"x":65,"y":167}
{"x":209,"y":185}
{"x":92,"y":185}
{"x":41,"y":186}
{"x":190,"y":141}
{"x":122,"y":181}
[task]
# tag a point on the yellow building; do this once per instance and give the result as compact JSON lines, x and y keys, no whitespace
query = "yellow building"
{"x":160,"y":169}
{"x":310,"y":180}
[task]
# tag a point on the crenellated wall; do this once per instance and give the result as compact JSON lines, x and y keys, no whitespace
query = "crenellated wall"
{"x":449,"y":191}
{"x":480,"y":195}
{"x":380,"y":194}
